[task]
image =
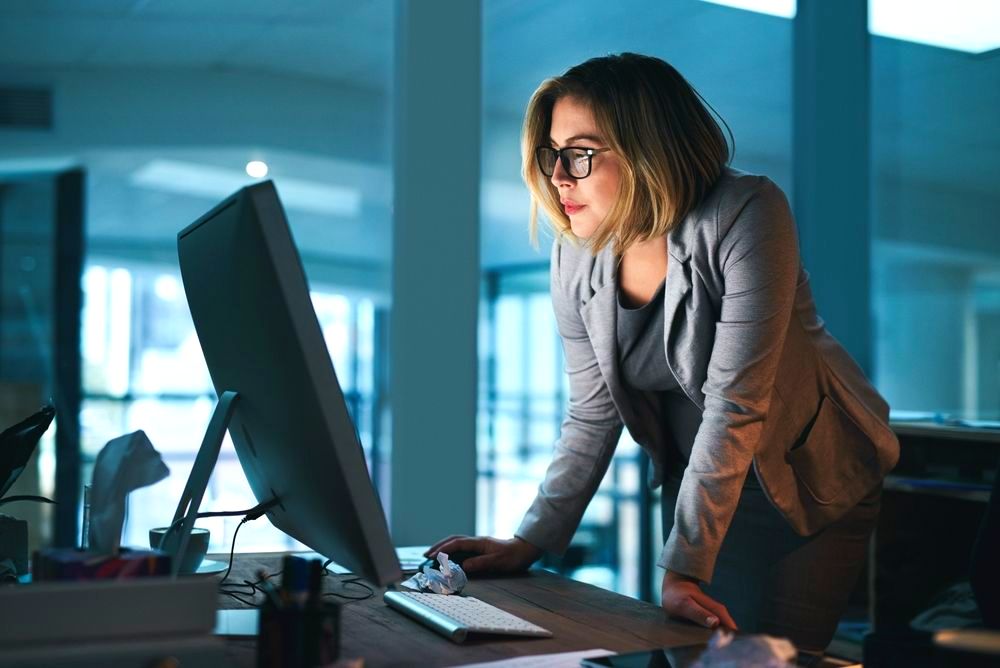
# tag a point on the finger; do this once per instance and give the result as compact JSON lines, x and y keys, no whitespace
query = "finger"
{"x":463,"y":544}
{"x":717,"y":609}
{"x":726,"y":620}
{"x":693,"y":611}
{"x":447,"y":545}
{"x":436,"y":547}
{"x":480,"y":564}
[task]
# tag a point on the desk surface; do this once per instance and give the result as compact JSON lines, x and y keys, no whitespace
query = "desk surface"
{"x":579,"y":615}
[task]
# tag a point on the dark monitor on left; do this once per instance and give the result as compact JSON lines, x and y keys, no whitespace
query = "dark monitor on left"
{"x":294,"y":437}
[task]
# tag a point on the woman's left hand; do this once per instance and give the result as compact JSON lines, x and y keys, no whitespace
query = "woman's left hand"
{"x":681,"y":596}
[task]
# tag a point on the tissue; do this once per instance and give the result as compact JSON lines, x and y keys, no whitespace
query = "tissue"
{"x":451,"y":579}
{"x":123,"y":464}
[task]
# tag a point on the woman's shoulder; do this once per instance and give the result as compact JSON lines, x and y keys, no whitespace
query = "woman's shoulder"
{"x":741,"y":202}
{"x":733,"y":189}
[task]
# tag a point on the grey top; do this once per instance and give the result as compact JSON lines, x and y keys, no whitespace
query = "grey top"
{"x":643,"y":363}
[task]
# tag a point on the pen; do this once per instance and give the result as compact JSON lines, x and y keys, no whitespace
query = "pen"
{"x":297,"y":581}
{"x":287,"y":577}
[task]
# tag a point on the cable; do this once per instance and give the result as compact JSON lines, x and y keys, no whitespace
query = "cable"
{"x":234,"y":591}
{"x":25,"y":497}
{"x":354,"y":581}
{"x":251,"y":588}
{"x":232,"y":550}
{"x":249,"y":514}
{"x":238,"y":591}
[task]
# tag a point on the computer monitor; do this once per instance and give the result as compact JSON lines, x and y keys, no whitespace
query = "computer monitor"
{"x":294,"y":437}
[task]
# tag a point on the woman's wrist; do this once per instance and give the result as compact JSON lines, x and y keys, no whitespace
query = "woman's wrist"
{"x":674,"y":576}
{"x":529,"y":549}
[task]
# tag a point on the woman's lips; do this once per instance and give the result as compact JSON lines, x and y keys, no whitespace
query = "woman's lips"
{"x":570,"y":209}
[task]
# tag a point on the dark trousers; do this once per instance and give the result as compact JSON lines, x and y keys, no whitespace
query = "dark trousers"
{"x":776,"y":582}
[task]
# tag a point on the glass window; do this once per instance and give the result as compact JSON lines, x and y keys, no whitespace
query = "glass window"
{"x":162,"y":135}
{"x":936,"y":251}
{"x":144,"y":370}
{"x":520,"y":414}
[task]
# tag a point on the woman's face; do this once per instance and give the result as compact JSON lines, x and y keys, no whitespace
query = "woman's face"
{"x":586,"y":201}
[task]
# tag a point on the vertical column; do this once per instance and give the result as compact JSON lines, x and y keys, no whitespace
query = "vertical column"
{"x":435,"y":282}
{"x":69,"y":249}
{"x":831,"y":165}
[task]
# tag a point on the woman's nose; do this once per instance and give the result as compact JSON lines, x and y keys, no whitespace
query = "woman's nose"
{"x":559,"y":175}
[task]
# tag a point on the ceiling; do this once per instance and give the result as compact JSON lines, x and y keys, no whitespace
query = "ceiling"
{"x":933,"y":110}
{"x":314,"y":38}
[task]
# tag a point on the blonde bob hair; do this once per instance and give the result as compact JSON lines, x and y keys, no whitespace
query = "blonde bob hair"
{"x":670,"y":148}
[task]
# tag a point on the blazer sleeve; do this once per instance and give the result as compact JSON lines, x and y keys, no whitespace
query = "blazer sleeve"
{"x":589,"y":433}
{"x":758,"y":257}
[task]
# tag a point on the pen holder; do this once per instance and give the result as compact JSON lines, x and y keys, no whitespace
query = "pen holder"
{"x":298,"y":637}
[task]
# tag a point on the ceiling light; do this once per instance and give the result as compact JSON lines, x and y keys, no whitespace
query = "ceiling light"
{"x":257,"y":169}
{"x":187,"y":178}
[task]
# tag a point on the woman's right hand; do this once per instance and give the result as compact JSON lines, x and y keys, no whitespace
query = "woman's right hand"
{"x":681,"y":596}
{"x":494,"y":555}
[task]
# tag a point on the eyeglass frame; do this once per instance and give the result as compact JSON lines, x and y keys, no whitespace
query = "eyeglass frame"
{"x":590,"y":153}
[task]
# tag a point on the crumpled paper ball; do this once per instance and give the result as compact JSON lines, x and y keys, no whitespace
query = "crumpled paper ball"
{"x":729,"y":650}
{"x":450,"y":579}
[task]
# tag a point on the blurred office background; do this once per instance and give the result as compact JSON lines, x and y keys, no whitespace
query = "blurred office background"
{"x":122,"y":121}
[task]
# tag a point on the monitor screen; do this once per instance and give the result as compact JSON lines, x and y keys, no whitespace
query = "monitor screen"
{"x":294,"y":437}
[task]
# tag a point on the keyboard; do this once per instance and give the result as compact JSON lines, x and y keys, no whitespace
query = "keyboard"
{"x":455,"y":617}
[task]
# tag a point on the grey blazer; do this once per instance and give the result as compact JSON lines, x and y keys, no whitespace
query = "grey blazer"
{"x":742,"y":336}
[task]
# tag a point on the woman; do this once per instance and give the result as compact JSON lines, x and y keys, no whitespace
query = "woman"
{"x":686,"y":316}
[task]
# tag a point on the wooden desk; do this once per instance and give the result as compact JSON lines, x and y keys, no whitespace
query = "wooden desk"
{"x":579,"y":615}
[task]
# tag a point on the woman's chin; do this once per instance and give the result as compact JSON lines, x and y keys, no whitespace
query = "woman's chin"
{"x":582,"y":229}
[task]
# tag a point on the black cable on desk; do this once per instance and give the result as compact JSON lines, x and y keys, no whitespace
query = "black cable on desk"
{"x":248,"y":515}
{"x":355,"y":581}
{"x":236,"y":592}
{"x":232,"y":550}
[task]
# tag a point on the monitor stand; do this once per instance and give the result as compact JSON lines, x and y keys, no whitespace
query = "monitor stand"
{"x":197,"y":483}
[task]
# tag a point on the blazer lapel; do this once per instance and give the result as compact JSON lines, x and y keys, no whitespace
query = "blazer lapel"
{"x":678,"y":313}
{"x":600,"y":317}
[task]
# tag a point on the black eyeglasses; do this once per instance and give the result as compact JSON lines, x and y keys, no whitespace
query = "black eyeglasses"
{"x":576,"y":161}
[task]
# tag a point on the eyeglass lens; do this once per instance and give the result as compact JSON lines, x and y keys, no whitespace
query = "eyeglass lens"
{"x":575,"y":161}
